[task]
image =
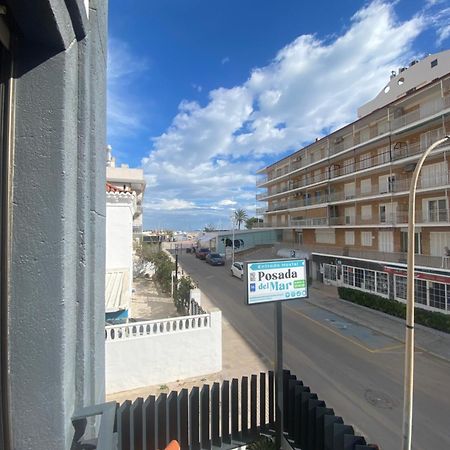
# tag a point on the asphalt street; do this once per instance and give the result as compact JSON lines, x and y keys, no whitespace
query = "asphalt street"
{"x":355,"y":370}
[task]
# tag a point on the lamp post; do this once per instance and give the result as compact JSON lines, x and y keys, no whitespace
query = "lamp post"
{"x":232,"y":247}
{"x":409,"y":341}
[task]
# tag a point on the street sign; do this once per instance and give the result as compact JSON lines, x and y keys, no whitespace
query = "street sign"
{"x":276,"y":280}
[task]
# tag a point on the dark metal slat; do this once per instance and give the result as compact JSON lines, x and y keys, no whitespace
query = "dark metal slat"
{"x":225,"y":419}
{"x":149,"y":423}
{"x":215,"y":415}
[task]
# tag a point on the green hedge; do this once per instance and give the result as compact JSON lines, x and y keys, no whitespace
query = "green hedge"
{"x":430,"y":319}
{"x":163,"y":270}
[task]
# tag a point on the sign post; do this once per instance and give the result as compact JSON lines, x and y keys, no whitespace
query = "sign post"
{"x":275,"y":281}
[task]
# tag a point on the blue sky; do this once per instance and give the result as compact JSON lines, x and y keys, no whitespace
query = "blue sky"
{"x":202,"y":93}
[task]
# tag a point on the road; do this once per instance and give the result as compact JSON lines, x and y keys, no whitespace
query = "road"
{"x":355,"y":370}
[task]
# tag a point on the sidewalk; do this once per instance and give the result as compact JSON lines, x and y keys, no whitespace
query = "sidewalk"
{"x":427,"y":339}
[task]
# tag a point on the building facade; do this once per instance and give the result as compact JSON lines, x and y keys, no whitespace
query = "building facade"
{"x":52,"y":168}
{"x":344,"y":198}
{"x":131,"y":180}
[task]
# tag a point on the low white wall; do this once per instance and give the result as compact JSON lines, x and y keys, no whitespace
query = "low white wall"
{"x":160,"y":351}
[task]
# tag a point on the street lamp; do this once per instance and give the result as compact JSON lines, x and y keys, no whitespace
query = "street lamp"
{"x":232,"y":245}
{"x":409,"y":341}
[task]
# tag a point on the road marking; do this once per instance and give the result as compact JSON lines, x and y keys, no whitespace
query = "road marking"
{"x":331,"y":330}
{"x":387,"y":349}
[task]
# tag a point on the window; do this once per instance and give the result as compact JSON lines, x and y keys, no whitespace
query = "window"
{"x":434,"y":174}
{"x":317,"y":175}
{"x":325,"y":237}
{"x":365,"y":161}
{"x":330,"y":272}
{"x":388,"y":213}
{"x":350,"y":215}
{"x":436,"y":210}
{"x":438,"y":294}
{"x":366,"y":212}
{"x":348,"y":275}
{"x":434,"y":63}
{"x":366,"y":238}
{"x":366,"y":186}
{"x":386,"y":241}
{"x":359,"y":277}
{"x":384,"y":155}
{"x":349,"y":165}
{"x":386,"y":184}
{"x":400,"y":287}
{"x":349,"y":238}
{"x":349,"y":191}
{"x":420,"y":291}
{"x":417,"y":243}
{"x":382,"y":283}
{"x":438,"y":241}
{"x":366,"y":279}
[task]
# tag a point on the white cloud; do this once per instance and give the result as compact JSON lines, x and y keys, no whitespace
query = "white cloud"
{"x":211,"y":152}
{"x":226,"y":202}
{"x":225,"y":60}
{"x":169,"y":205}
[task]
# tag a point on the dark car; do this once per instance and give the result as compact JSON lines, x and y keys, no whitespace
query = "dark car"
{"x":215,"y":259}
{"x":201,"y":253}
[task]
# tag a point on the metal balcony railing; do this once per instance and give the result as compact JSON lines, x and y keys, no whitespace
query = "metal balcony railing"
{"x":382,"y":127}
{"x":431,"y":108}
{"x":336,"y":171}
{"x":429,"y":216}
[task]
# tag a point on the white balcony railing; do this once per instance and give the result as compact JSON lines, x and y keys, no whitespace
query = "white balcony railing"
{"x":156,"y":327}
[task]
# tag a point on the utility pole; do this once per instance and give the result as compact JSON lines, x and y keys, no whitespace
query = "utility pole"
{"x":175,"y":287}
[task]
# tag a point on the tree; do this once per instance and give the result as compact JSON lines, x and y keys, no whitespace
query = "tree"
{"x":209,"y":227}
{"x":250,"y":223}
{"x":240,"y":216}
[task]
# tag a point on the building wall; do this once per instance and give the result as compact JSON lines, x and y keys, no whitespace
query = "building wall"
{"x":119,"y":236}
{"x":56,"y":302}
{"x":158,"y":352}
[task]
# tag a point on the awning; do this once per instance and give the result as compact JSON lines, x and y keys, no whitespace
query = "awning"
{"x":117,"y":290}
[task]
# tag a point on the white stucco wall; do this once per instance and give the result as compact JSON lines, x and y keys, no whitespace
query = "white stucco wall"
{"x":119,"y":234}
{"x":155,"y":357}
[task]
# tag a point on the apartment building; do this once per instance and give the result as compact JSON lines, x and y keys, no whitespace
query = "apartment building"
{"x":128,"y":179}
{"x":344,"y":198}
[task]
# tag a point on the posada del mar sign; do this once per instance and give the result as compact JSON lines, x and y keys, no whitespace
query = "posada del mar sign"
{"x":276,"y":280}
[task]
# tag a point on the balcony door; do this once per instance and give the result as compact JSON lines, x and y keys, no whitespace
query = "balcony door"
{"x":386,"y":241}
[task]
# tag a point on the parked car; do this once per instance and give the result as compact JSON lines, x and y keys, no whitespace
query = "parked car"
{"x":237,"y":270}
{"x":201,"y":253}
{"x":215,"y":259}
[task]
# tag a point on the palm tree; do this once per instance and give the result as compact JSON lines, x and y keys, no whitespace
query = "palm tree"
{"x":240,"y":216}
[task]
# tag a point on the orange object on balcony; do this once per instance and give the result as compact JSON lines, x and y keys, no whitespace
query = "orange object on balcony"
{"x":173,"y":445}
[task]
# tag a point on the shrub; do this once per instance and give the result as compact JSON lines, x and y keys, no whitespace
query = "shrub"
{"x":431,"y":319}
{"x":163,"y":270}
{"x":182,"y":295}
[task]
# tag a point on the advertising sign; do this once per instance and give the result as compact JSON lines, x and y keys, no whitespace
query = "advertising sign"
{"x":276,"y":280}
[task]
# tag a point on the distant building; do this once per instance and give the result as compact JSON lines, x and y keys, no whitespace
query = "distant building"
{"x":120,"y":210}
{"x":131,"y":180}
{"x":344,"y":198}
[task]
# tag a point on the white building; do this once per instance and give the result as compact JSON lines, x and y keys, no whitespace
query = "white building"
{"x":128,"y":179}
{"x":120,"y":210}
